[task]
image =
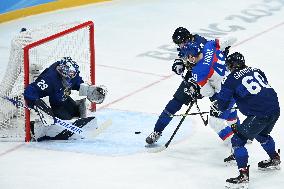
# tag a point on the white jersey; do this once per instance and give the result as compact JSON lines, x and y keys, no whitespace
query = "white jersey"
{"x":210,"y":71}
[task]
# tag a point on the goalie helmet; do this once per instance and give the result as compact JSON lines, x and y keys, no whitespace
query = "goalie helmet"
{"x":235,"y":61}
{"x":191,"y":48}
{"x":67,"y":67}
{"x":181,"y":35}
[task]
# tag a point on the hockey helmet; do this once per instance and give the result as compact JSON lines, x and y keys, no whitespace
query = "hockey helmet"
{"x":191,"y":48}
{"x":68,"y":68}
{"x":181,"y":35}
{"x":235,"y":61}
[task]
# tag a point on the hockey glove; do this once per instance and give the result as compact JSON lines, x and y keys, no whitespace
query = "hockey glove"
{"x":226,"y":51}
{"x":94,"y":93}
{"x":178,"y":66}
{"x":214,"y":109}
{"x":194,"y":91}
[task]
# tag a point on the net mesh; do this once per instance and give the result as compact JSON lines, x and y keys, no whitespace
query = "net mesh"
{"x":75,"y":44}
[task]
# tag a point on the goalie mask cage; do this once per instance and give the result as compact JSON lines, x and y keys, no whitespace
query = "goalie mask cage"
{"x":31,"y":52}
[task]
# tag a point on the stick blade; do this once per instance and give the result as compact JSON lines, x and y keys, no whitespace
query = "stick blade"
{"x":101,"y":128}
{"x":155,"y":148}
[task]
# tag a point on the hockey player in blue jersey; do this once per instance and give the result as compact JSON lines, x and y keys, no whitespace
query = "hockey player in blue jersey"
{"x":187,"y":91}
{"x":57,"y":82}
{"x":258,"y":101}
{"x":208,"y":72}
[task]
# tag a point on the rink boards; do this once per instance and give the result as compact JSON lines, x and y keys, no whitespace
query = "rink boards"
{"x":15,"y":9}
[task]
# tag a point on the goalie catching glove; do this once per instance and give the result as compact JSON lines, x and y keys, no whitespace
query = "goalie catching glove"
{"x":94,"y":93}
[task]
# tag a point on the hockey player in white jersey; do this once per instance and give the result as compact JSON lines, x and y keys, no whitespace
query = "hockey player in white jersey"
{"x":208,"y":72}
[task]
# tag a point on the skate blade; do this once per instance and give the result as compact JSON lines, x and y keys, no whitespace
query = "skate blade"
{"x":237,"y":186}
{"x":154,"y":148}
{"x":271,"y":168}
{"x":232,"y":163}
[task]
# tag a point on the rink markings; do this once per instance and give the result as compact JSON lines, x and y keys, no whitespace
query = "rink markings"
{"x":169,"y":76}
{"x":134,"y":92}
{"x":12,"y":149}
{"x":259,"y":34}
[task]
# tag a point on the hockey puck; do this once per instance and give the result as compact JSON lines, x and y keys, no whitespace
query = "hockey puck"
{"x":137,"y":132}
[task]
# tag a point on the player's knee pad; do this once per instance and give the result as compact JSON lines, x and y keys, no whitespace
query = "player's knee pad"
{"x":167,"y":115}
{"x":221,"y":128}
{"x":238,"y":141}
{"x":173,"y":106}
{"x":217,"y":124}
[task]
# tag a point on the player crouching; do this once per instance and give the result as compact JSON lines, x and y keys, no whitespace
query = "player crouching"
{"x":56,"y":82}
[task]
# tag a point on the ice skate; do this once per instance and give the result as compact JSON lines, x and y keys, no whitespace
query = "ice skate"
{"x":270,"y":164}
{"x":240,"y":182}
{"x":153,"y":137}
{"x":230,"y":160}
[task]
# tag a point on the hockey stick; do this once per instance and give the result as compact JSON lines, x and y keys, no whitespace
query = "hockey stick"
{"x":205,"y":121}
{"x":159,"y":149}
{"x":59,"y":122}
{"x":196,"y":113}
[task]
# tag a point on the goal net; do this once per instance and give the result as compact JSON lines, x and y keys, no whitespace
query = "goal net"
{"x":31,"y":52}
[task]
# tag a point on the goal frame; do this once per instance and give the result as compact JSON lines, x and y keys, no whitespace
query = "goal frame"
{"x":27,"y":49}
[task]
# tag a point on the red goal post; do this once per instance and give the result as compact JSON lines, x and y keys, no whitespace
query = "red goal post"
{"x":42,"y":47}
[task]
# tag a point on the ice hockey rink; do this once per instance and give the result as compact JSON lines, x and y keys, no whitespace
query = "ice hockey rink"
{"x":134,"y":54}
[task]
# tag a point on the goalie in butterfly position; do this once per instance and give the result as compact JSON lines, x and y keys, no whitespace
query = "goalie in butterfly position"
{"x":56,"y":82}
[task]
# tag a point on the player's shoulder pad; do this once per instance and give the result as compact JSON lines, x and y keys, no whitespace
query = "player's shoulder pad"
{"x":210,"y":44}
{"x":229,"y":79}
{"x":199,"y":39}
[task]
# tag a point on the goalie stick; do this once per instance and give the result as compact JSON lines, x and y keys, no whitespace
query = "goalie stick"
{"x":62,"y":123}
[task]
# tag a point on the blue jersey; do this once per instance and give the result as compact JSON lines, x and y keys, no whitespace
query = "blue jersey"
{"x":253,"y":95}
{"x":213,"y":62}
{"x":200,"y":41}
{"x":50,"y":83}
